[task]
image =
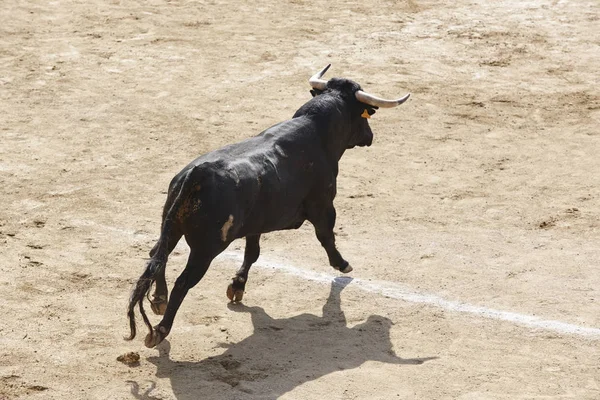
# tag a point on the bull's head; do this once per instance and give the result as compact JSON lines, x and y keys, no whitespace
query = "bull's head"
{"x":360,"y":107}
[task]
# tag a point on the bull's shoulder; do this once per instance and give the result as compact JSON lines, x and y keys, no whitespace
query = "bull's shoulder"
{"x":296,"y":130}
{"x":294,"y":134}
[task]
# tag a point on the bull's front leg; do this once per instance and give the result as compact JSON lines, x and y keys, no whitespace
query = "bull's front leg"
{"x":323,"y":219}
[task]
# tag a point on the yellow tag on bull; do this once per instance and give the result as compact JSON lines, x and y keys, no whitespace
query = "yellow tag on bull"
{"x":365,"y":114}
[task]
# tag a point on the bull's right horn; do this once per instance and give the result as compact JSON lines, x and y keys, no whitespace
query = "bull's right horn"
{"x":375,"y":101}
{"x":316,"y":82}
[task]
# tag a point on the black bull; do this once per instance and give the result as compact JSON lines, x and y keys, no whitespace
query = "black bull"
{"x":274,"y":181}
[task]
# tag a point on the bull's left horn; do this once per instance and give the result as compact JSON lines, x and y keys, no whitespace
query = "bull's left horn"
{"x":375,"y":101}
{"x":316,"y":82}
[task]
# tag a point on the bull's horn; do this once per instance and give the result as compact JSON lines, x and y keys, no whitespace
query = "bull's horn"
{"x":316,"y":82}
{"x":375,"y":101}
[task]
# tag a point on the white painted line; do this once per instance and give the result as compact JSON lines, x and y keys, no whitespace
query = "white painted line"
{"x":392,"y":290}
{"x":400,"y":292}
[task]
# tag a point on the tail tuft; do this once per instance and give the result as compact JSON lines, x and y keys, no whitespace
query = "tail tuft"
{"x":140,"y":291}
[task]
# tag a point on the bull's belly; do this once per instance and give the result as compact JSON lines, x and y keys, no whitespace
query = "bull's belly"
{"x":258,"y":224}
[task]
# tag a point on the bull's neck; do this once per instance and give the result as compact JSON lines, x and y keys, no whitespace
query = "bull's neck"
{"x":331,"y":132}
{"x":331,"y":128}
{"x":334,"y":139}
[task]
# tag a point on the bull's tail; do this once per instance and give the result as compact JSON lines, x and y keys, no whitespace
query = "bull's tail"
{"x":158,"y":260}
{"x":141,"y":290}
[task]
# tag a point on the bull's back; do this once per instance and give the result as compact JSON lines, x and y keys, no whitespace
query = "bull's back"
{"x":253,"y":187}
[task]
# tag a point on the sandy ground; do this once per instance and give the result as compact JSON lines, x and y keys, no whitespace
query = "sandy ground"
{"x":482,"y":189}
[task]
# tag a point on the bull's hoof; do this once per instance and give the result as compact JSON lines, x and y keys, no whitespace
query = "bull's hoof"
{"x":234,"y":295}
{"x":159,"y":305}
{"x":154,"y":338}
{"x":344,"y":269}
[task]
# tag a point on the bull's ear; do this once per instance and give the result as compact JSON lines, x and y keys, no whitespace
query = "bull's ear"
{"x":315,"y":92}
{"x":369,"y":110}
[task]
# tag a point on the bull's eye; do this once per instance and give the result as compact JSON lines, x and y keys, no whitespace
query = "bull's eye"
{"x":366,"y":114}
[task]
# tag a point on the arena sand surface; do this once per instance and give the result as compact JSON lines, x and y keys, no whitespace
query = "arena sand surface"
{"x":483,"y":189}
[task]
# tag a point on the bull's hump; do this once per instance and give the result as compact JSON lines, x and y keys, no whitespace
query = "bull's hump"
{"x":290,"y":129}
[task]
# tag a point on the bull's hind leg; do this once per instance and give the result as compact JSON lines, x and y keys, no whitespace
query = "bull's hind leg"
{"x":235,"y":290}
{"x":197,"y":265}
{"x":323,"y":219}
{"x":158,"y":302}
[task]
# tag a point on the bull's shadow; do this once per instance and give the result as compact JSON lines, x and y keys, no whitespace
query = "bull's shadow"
{"x":281,"y":354}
